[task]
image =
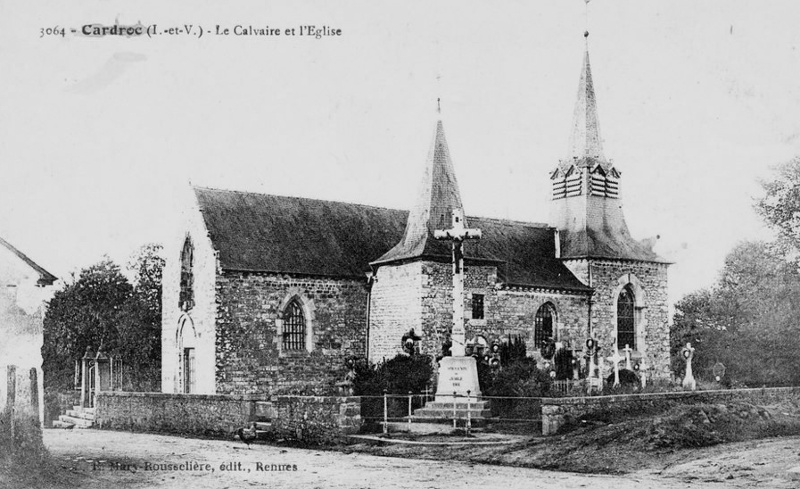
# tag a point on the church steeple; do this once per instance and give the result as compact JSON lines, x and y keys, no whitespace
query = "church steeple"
{"x":586,"y":207}
{"x":438,"y":195}
{"x":585,"y":143}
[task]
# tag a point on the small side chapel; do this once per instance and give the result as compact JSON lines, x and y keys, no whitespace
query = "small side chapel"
{"x":266,"y":293}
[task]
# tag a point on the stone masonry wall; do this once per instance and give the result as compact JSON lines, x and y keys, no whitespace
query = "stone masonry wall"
{"x":515,"y":314}
{"x":419,"y":295}
{"x":395,"y":308}
{"x":318,"y":420}
{"x":248,"y":344}
{"x":196,"y":414}
{"x":558,"y":411}
{"x":649,"y":281}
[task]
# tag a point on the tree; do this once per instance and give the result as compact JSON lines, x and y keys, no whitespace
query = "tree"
{"x":748,"y":320}
{"x":101,"y":307}
{"x":780,"y":206}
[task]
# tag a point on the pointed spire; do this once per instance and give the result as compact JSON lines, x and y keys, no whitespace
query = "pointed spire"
{"x":437,"y":197}
{"x":585,"y":140}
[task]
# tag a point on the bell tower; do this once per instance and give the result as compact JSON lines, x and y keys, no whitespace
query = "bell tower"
{"x":586,"y":205}
{"x":629,"y":307}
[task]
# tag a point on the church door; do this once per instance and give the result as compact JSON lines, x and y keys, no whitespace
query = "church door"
{"x":188,"y":370}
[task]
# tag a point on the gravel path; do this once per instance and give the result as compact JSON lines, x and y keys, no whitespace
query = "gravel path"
{"x":109,"y":459}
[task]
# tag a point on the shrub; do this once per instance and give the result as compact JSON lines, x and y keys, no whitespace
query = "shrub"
{"x":626,"y":377}
{"x":512,"y":350}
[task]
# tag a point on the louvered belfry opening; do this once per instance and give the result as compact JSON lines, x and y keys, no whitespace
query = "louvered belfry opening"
{"x":294,"y":328}
{"x":626,"y":328}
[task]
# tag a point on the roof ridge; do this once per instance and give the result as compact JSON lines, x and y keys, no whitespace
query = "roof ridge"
{"x":482,"y":218}
{"x":297,"y":198}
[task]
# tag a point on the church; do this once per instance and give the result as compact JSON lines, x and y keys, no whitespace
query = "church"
{"x":266,"y":294}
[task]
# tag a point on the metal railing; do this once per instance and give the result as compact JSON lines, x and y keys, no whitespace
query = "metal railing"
{"x":399,"y":408}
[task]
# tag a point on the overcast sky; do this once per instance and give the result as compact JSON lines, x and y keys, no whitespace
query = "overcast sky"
{"x":697,"y":100}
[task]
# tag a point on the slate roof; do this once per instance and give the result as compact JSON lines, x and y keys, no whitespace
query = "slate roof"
{"x":45,"y":277}
{"x":270,"y":233}
{"x":437,"y":197}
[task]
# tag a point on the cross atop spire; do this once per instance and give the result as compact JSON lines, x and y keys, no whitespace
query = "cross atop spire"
{"x":585,"y":140}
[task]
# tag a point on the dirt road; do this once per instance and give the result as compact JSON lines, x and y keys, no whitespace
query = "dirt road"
{"x":107,"y":459}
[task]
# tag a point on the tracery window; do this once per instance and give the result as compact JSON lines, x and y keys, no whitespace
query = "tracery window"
{"x":186,"y":298}
{"x":626,"y":325}
{"x":543,"y":325}
{"x":294,"y":327}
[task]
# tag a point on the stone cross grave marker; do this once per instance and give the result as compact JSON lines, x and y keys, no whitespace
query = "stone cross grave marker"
{"x":643,"y":373}
{"x":688,"y":381}
{"x":628,"y":350}
{"x":458,"y":374}
{"x":615,"y":359}
{"x":457,"y":235}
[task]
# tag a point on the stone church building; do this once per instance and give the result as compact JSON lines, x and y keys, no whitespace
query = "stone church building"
{"x":266,"y":294}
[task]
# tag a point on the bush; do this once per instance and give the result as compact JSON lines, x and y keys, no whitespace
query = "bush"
{"x":626,"y":377}
{"x":399,"y":375}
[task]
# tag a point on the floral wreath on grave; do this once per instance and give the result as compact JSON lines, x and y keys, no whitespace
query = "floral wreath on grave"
{"x":548,"y":349}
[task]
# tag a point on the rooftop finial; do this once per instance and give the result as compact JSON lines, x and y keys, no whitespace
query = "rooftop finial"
{"x":438,"y":105}
{"x":586,"y":17}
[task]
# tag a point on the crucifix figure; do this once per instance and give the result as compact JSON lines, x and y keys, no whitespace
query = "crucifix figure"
{"x":627,"y":351}
{"x":457,"y":234}
{"x":615,"y":359}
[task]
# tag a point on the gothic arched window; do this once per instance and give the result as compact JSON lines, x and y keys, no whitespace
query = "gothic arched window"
{"x":294,"y":327}
{"x":626,"y":324}
{"x":186,"y":298}
{"x":543,"y":324}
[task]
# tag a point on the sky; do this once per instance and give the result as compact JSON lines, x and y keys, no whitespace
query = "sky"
{"x":100,"y":137}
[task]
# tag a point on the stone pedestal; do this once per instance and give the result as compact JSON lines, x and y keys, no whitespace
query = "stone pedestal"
{"x":459,"y":375}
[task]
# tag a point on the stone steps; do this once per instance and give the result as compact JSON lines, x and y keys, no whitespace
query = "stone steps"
{"x":80,"y":414}
{"x":76,"y":422}
{"x":449,"y":413}
{"x":77,"y":417}
{"x":459,"y":405}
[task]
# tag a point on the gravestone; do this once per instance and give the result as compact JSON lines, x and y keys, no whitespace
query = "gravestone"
{"x":628,"y":350}
{"x":615,"y":359}
{"x":688,"y":380}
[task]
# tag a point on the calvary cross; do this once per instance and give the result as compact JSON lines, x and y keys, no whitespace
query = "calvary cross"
{"x":457,"y":234}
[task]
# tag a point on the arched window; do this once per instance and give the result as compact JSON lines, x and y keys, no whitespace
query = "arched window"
{"x":626,"y":325}
{"x":185,"y":338}
{"x":543,"y":325}
{"x":294,"y":327}
{"x":186,"y":298}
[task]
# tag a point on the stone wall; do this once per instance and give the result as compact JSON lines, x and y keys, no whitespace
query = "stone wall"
{"x":20,"y":429}
{"x":419,"y":295}
{"x":515,"y":313}
{"x":317,"y":420}
{"x":195,"y":414}
{"x":558,"y":411}
{"x":649,"y":282}
{"x":395,"y":308}
{"x":249,"y":355}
